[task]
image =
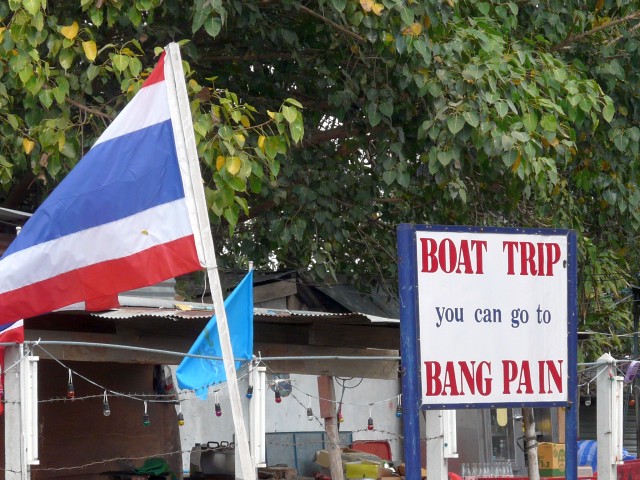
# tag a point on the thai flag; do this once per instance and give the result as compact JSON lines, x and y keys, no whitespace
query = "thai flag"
{"x":130,"y":214}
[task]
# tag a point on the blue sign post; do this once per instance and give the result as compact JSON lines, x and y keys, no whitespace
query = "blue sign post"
{"x":488,"y":319}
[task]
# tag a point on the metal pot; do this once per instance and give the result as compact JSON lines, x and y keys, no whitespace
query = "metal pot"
{"x":218,"y":458}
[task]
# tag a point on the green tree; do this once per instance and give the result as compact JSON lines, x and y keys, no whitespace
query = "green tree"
{"x":322,"y":125}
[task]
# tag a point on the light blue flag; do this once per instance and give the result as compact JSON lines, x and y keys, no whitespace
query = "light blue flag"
{"x":198,"y":373}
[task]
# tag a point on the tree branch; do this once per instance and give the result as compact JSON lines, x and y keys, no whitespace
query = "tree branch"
{"x":335,"y":25}
{"x":344,"y":131}
{"x":619,"y":37}
{"x":88,"y":109}
{"x":576,"y":38}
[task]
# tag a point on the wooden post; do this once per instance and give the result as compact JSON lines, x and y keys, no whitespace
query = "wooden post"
{"x":327,"y":396}
{"x":531,"y":442}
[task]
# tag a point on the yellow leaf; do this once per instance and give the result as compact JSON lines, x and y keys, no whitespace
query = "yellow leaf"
{"x":220,"y":161}
{"x":244,"y":120}
{"x":599,"y":5}
{"x":377,"y":8}
{"x":239,"y":138}
{"x":261,"y":140}
{"x":28,"y":145}
{"x":233,"y":165}
{"x":412,"y":30}
{"x":451,"y":3}
{"x":271,"y":114}
{"x":516,"y":164}
{"x":426,"y":21}
{"x":90,"y":50}
{"x":61,"y":141}
{"x":2,"y":29}
{"x":70,"y":31}
{"x":367,"y":5}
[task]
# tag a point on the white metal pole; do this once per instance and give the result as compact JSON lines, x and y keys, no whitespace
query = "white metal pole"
{"x":437,"y":463}
{"x":15,"y":469}
{"x":185,"y":144}
{"x":609,"y":418}
{"x":257,"y":412}
{"x":29,"y":380}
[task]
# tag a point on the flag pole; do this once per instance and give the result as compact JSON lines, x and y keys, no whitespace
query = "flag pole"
{"x":192,"y":179}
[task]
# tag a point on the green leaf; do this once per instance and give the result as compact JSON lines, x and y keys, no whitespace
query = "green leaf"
{"x":271,"y":147}
{"x":135,"y":66}
{"x":213,"y":25}
{"x":31,"y":6}
{"x":455,"y":123}
{"x":66,"y":58}
{"x":339,"y":4}
{"x":92,"y":71}
{"x":530,"y":121}
{"x":231,"y":215}
{"x":290,"y":113}
{"x":373,"y":114}
{"x":46,"y":98}
{"x":404,"y":179}
{"x":297,"y":131}
{"x":610,"y":196}
{"x":483,"y":8}
{"x":445,"y":157}
{"x":471,"y":118}
{"x":406,"y":14}
{"x":120,"y":62}
{"x":236,"y":183}
{"x":621,"y":141}
{"x":502,"y":108}
{"x":292,"y":101}
{"x":200,"y":15}
{"x":225,"y":132}
{"x":608,"y":111}
{"x":389,"y":176}
{"x":549,"y":123}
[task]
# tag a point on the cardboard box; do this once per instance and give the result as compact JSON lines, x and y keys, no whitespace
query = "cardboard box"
{"x":551,"y":459}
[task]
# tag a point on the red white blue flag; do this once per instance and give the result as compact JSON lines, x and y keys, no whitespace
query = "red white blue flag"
{"x":130,"y":214}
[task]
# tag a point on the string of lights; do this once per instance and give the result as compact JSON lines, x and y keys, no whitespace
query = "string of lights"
{"x":185,"y":395}
{"x":176,"y":399}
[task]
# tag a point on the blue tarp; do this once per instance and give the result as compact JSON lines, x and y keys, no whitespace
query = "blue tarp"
{"x":588,"y":454}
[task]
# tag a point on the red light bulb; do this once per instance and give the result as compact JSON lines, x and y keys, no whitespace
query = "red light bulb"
{"x":218,"y":410}
{"x":370,"y":424}
{"x":71,"y":393}
{"x":278,"y":396}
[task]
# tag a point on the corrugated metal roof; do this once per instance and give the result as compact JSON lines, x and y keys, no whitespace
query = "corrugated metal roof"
{"x":186,"y":311}
{"x":170,"y":313}
{"x":306,"y":313}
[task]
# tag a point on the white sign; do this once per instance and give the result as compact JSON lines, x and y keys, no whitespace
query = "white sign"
{"x":493,"y":319}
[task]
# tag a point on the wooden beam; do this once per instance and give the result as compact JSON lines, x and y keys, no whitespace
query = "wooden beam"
{"x":105,"y":354}
{"x":277,"y":333}
{"x":270,"y":291}
{"x":360,"y":336}
{"x":380,"y":369}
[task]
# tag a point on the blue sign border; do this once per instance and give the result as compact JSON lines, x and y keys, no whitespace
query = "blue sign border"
{"x":409,"y":341}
